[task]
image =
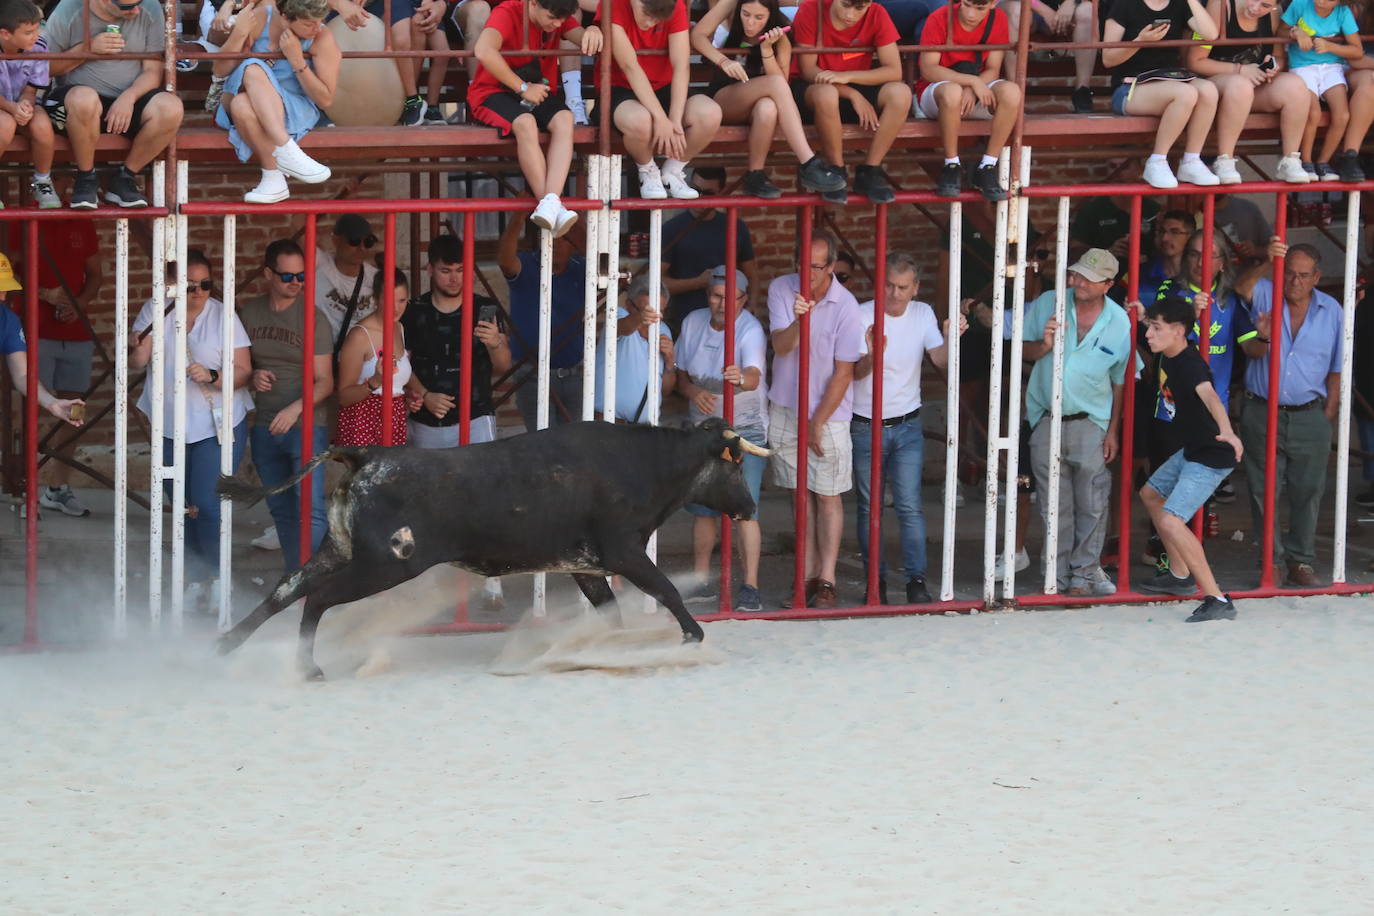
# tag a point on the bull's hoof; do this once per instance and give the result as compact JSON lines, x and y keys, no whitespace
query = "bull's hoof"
{"x":690,"y":638}
{"x":224,"y":645}
{"x":312,"y":674}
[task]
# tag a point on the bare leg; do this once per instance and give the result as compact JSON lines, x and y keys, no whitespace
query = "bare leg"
{"x":438,"y":67}
{"x":700,"y":121}
{"x":737,"y":107}
{"x":636,"y":126}
{"x":1361,"y":107}
{"x":246,"y":120}
{"x":824,"y":103}
{"x":1288,"y":95}
{"x":161,"y":118}
{"x":1008,"y":96}
{"x":528,"y":151}
{"x":1013,"y":11}
{"x":83,"y":125}
{"x":947,"y":98}
{"x":1083,"y":60}
{"x":894,"y":105}
{"x":1237,"y":97}
{"x":1309,"y":132}
{"x":472,"y":18}
{"x":1173,"y":102}
{"x":1338,"y":102}
{"x":829,"y":531}
{"x":267,"y":105}
{"x":40,"y":134}
{"x":400,"y":41}
{"x":7,"y":128}
{"x":750,"y":543}
{"x":1200,"y":124}
{"x":558,"y":159}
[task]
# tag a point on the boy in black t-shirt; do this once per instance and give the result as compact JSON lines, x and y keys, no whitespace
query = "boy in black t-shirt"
{"x":1187,"y":480}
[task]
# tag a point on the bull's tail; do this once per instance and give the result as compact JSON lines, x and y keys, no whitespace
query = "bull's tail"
{"x":236,"y":489}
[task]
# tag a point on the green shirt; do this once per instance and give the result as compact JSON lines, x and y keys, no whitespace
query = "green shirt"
{"x":1091,"y":365}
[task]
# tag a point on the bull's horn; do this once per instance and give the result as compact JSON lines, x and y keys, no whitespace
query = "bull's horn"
{"x":748,"y":446}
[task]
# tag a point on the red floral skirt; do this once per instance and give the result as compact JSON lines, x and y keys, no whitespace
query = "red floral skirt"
{"x":361,"y":423}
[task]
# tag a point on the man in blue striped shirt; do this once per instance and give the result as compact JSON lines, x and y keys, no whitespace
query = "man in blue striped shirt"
{"x":1309,"y":342}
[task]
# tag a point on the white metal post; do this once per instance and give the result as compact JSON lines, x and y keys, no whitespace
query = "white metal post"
{"x":996,"y":441}
{"x":157,"y":396}
{"x":1352,"y":257}
{"x":654,"y":389}
{"x":226,"y":428}
{"x":596,"y":165}
{"x":121,"y":423}
{"x":1051,"y":505}
{"x":1014,"y":356}
{"x":179,"y":363}
{"x":542,"y":374}
{"x":611,"y":239}
{"x":955,"y":280}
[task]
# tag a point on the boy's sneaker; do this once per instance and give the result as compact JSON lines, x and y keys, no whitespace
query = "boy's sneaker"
{"x":1225,"y":169}
{"x":1166,"y":583}
{"x":951,"y":180}
{"x":86,"y":191}
{"x":916,"y":591}
{"x":1082,"y":100}
{"x":44,"y":195}
{"x":704,"y":592}
{"x":545,"y":216}
{"x":1291,"y":170}
{"x":651,"y":183}
{"x":1196,"y":172}
{"x":678,"y":188}
{"x":433,"y":116}
{"x":1214,"y":608}
{"x":292,"y":160}
{"x":566,"y":219}
{"x":1157,"y":174}
{"x":413,"y":112}
{"x":1325,"y":172}
{"x":841,"y":194}
{"x":818,"y":175}
{"x":756,"y":184}
{"x":870,"y":181}
{"x":986,"y":181}
{"x":748,"y":600}
{"x":122,"y":189}
{"x":1311,"y":171}
{"x":1348,"y":166}
{"x":63,"y":500}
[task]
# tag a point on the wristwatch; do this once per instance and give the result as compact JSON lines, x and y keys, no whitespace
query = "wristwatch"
{"x":523,"y":87}
{"x":214,"y":376}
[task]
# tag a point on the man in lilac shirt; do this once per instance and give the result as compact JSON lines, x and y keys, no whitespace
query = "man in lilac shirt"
{"x":835,"y":344}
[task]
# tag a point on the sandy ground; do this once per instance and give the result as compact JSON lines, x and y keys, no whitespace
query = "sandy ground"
{"x":1112,"y":760}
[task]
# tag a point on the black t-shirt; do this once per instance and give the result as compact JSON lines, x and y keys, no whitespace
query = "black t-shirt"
{"x":1134,"y":16}
{"x":435,"y":340}
{"x":691,"y":246}
{"x":1179,"y":377}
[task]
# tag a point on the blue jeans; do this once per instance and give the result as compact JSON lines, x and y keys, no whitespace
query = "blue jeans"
{"x":1185,"y":485}
{"x":202,"y":473}
{"x":903,"y":458}
{"x":1366,"y":428}
{"x":277,"y":458}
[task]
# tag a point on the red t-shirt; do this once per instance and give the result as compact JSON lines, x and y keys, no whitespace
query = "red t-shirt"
{"x":873,"y":30}
{"x":69,"y":242}
{"x":936,"y":32}
{"x":658,"y":68}
{"x":506,"y":19}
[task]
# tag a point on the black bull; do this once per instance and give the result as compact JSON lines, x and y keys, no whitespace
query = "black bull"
{"x":581,"y":498}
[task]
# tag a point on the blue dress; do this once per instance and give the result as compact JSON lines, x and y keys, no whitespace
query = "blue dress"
{"x":302,"y":114}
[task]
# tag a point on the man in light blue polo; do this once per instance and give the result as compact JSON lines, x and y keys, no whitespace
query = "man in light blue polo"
{"x":631,"y":400}
{"x":1309,"y":396}
{"x":1097,"y":344}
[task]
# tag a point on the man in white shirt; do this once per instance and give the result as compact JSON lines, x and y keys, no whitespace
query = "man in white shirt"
{"x":631,"y":399}
{"x":701,"y":378}
{"x":343,"y":280}
{"x":910,"y":333}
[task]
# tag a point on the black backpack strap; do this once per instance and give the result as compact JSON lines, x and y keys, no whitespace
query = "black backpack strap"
{"x":987,"y":32}
{"x":348,"y":317}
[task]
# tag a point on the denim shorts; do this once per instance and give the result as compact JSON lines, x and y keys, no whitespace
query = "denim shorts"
{"x":752,"y":469}
{"x":1185,"y":485}
{"x":1119,"y":97}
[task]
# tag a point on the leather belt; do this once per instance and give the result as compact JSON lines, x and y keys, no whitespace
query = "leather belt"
{"x":1314,"y":403}
{"x":1074,"y":416}
{"x":892,"y":421}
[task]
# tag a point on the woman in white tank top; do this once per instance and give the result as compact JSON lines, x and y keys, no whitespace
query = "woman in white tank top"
{"x":361,"y":402}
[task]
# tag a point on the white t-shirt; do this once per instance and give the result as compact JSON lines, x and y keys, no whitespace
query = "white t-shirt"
{"x":203,"y":345}
{"x":701,"y":352}
{"x":909,"y":336}
{"x":333,"y":290}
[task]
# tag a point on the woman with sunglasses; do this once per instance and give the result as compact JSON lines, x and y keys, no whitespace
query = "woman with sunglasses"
{"x":361,"y":404}
{"x":204,"y":409}
{"x":1250,"y":78}
{"x":269,"y":104}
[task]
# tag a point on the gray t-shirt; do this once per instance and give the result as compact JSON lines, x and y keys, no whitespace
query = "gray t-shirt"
{"x":278,"y":340}
{"x":143,"y":33}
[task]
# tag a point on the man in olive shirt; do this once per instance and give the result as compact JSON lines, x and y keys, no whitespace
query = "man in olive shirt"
{"x":276,"y":327}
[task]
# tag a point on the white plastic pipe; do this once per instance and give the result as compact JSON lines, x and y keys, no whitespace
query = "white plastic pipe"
{"x":1051,"y":498}
{"x":654,"y":390}
{"x":1352,"y":257}
{"x":956,"y":255}
{"x":121,"y":424}
{"x":156,"y":397}
{"x":179,"y":363}
{"x":995,"y":438}
{"x":542,"y":375}
{"x":1015,"y":356}
{"x":226,"y":428}
{"x":596,"y":165}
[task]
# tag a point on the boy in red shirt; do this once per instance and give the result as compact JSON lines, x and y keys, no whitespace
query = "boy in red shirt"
{"x":649,"y":102}
{"x":516,"y":95}
{"x":845,"y":88}
{"x":956,"y":84}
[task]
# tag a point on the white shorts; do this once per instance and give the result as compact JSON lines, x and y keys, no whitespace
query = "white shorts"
{"x":927,"y":107}
{"x":826,"y":475}
{"x":481,"y":429}
{"x":1321,"y":77}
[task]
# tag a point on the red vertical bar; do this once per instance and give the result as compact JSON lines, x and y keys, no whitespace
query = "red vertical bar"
{"x":308,"y":385}
{"x":603,"y":85}
{"x":465,"y":347}
{"x":31,"y":433}
{"x":875,"y":427}
{"x":1204,"y":326}
{"x":388,"y":323}
{"x":1123,"y":564}
{"x":799,"y":500}
{"x":728,"y":394}
{"x":1271,"y":439}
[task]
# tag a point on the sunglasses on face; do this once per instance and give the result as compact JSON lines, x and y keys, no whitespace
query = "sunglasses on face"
{"x":367,"y":242}
{"x":126,"y":7}
{"x":203,"y":285}
{"x":290,"y":278}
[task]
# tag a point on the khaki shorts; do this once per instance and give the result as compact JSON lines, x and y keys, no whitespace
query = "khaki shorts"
{"x":826,"y":475}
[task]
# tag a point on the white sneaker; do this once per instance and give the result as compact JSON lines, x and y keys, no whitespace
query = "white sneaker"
{"x":566,"y":219}
{"x":63,"y":500}
{"x":1225,"y":169}
{"x":678,"y":187}
{"x":1291,"y":170}
{"x":271,"y":189}
{"x":292,"y":160}
{"x":268,"y":540}
{"x":1158,"y":174}
{"x":1195,"y":172}
{"x":545,"y":216}
{"x":1022,"y":564}
{"x":651,"y":183}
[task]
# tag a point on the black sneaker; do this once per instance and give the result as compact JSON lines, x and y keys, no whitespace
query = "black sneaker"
{"x":123,"y":191}
{"x":1082,"y":100}
{"x":951,"y":180}
{"x":818,"y":175}
{"x":1366,"y":498}
{"x":413,"y":112}
{"x":1214,"y":608}
{"x":756,"y":184}
{"x":916,"y":591}
{"x":1226,"y":493}
{"x":1348,"y":166}
{"x":1325,"y":172}
{"x":86,"y":191}
{"x":433,"y":116}
{"x":986,"y":181}
{"x":870,"y":181}
{"x":748,"y":600}
{"x":1166,"y":583}
{"x":840,"y":195}
{"x":701,"y":593}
